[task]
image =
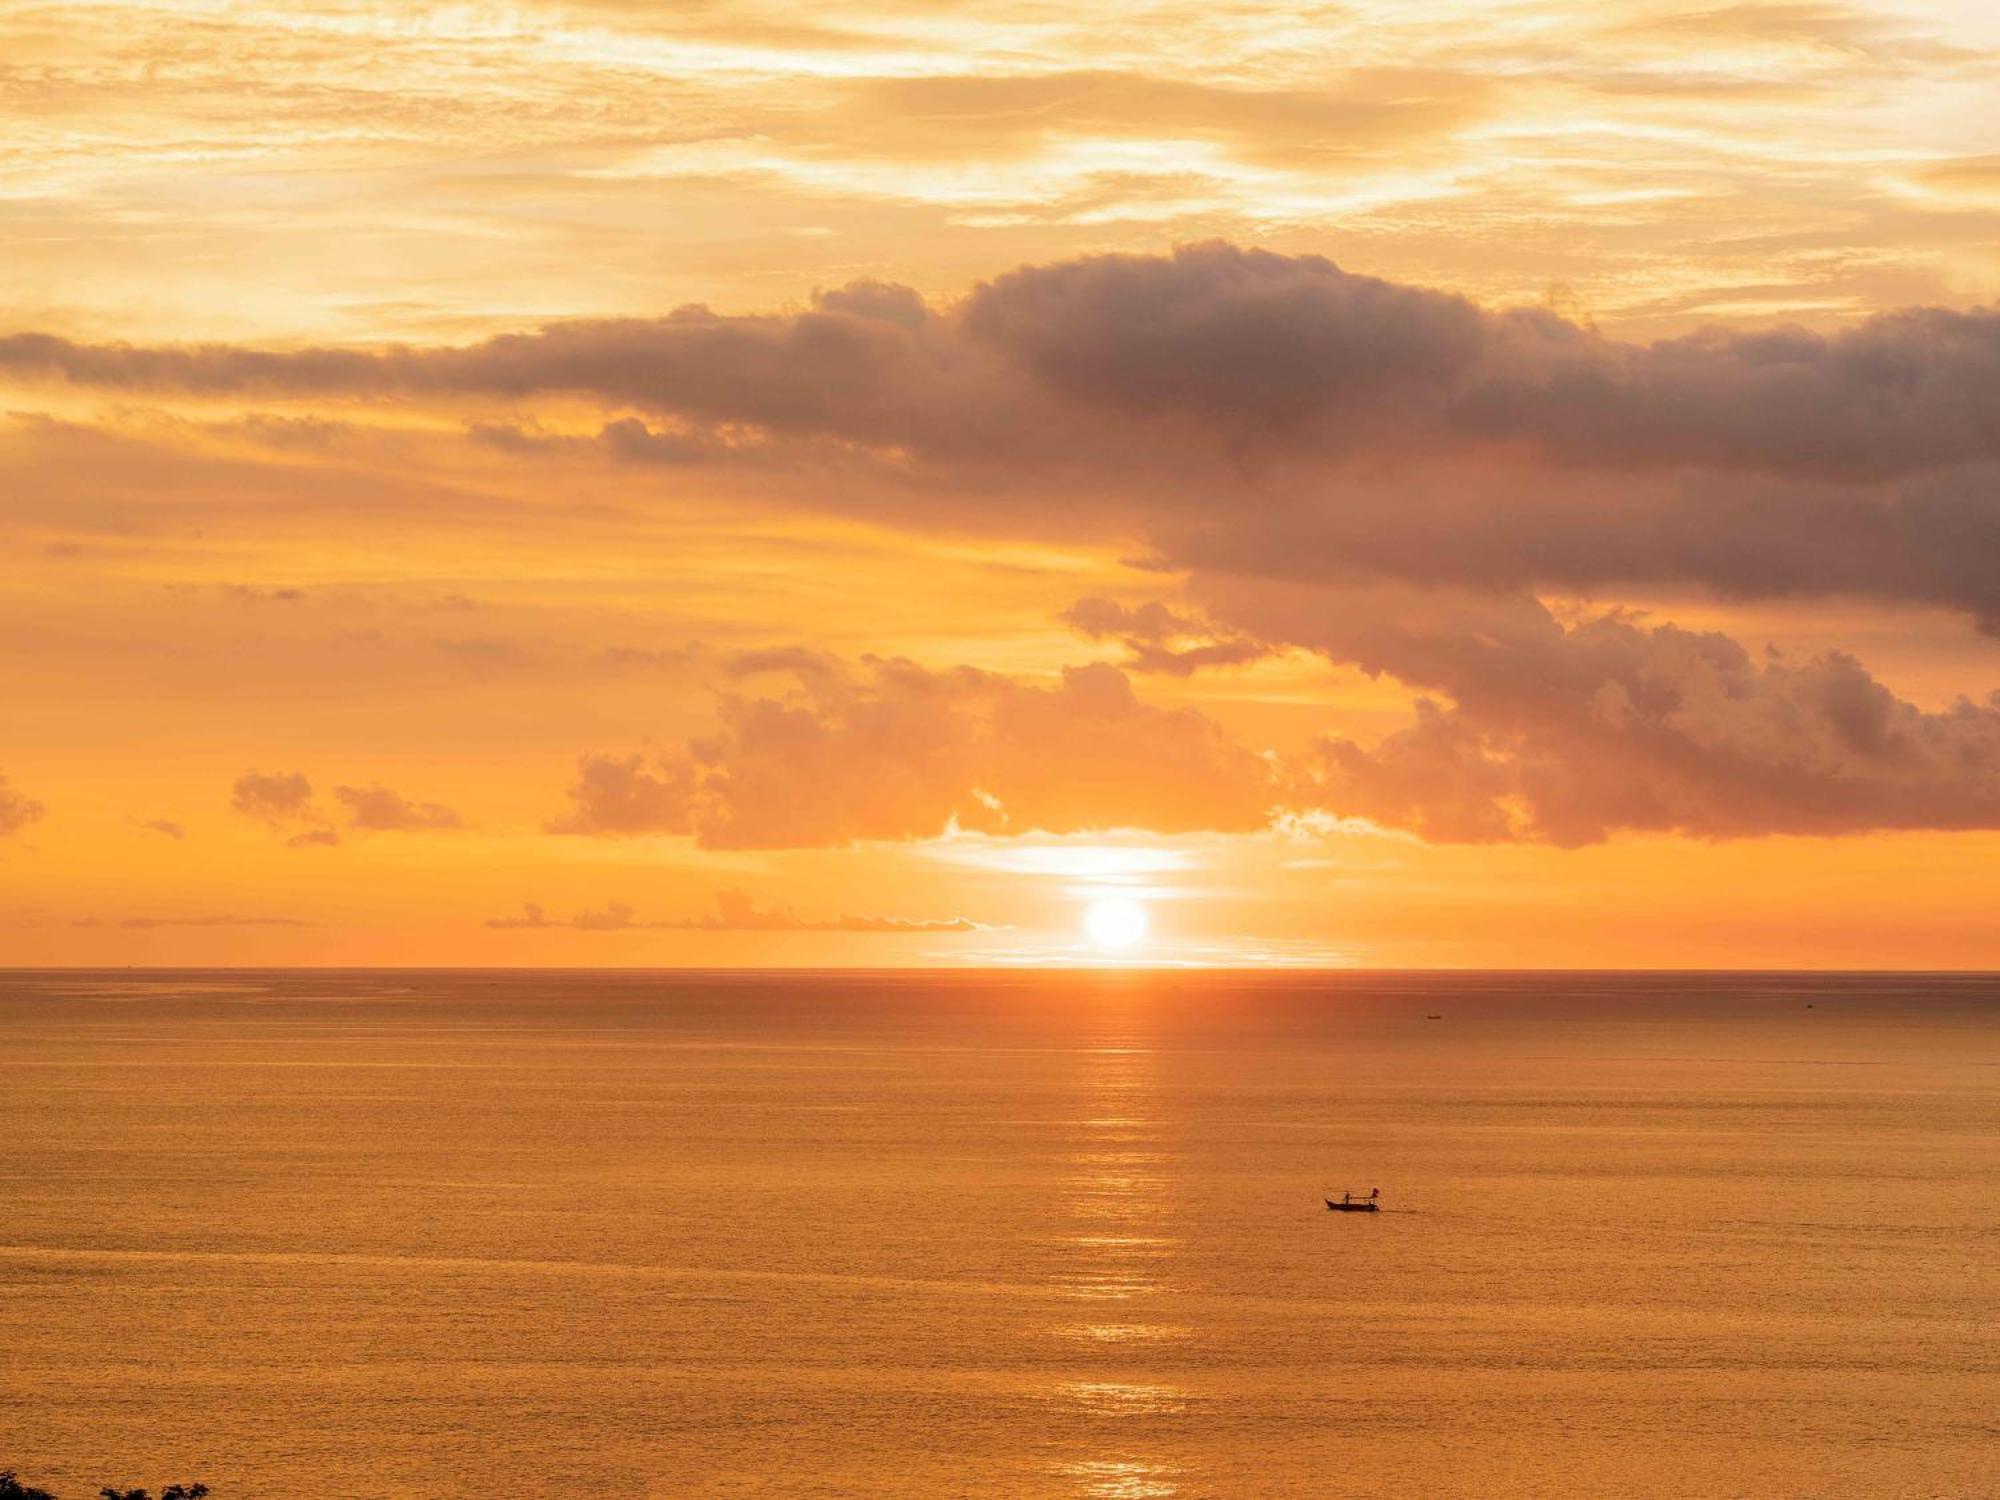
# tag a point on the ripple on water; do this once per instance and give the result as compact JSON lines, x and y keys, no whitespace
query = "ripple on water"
{"x":1120,"y":1479}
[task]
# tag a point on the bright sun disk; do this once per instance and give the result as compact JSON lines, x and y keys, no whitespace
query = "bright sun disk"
{"x":1114,"y":923}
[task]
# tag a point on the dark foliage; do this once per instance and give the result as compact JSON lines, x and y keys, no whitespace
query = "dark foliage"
{"x":11,"y":1488}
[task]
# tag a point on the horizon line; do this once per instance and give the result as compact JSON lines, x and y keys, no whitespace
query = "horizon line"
{"x":1273,"y":970}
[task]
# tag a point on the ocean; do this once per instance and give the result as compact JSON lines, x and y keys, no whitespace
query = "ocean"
{"x":440,"y":1234}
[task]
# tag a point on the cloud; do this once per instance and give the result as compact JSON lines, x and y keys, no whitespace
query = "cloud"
{"x":891,"y":750}
{"x":1159,"y":639}
{"x":274,"y":796}
{"x":1388,"y":476}
{"x":17,"y":810}
{"x":283,"y":799}
{"x":494,"y":656}
{"x":1622,"y":127}
{"x":628,"y":795}
{"x":976,"y":116}
{"x":737,"y":912}
{"x":1503,"y":527}
{"x":166,"y":828}
{"x":532,"y":916}
{"x":839,"y":370}
{"x":1268,"y":350}
{"x":615,"y":917}
{"x":1531,"y":729}
{"x":286,"y":798}
{"x":1253,"y":342}
{"x":377,"y":808}
{"x":145,"y":923}
{"x":1250,"y":411}
{"x":1565,"y":733}
{"x":215,"y":923}
{"x":734,"y":912}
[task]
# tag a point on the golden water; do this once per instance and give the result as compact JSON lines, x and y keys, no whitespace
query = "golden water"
{"x":375,"y":1234}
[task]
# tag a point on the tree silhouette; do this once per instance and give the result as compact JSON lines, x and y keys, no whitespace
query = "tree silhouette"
{"x":11,"y":1488}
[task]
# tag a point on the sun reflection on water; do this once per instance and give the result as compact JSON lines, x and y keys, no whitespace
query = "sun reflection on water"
{"x":1107,"y":1479}
{"x":1122,"y":1333}
{"x":1123,"y":1398}
{"x":1119,"y":1248}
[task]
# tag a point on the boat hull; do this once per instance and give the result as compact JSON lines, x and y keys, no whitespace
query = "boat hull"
{"x":1353,"y":1208}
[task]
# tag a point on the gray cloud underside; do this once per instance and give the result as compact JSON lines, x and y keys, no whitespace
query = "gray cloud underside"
{"x":1272,"y":351}
{"x":1162,"y":640}
{"x":1340,"y":421}
{"x":1566,"y":732}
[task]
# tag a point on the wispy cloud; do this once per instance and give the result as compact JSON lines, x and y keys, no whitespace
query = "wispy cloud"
{"x":734,"y":912}
{"x":140,"y":924}
{"x":17,"y":809}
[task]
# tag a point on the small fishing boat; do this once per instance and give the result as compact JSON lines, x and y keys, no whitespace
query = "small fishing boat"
{"x":1349,"y":1204}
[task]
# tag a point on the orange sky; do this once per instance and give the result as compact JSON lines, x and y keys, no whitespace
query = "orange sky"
{"x":1435,"y":483}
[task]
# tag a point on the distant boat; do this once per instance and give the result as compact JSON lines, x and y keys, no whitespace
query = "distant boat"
{"x":1349,"y":1204}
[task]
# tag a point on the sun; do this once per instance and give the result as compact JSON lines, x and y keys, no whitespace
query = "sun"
{"x":1114,"y":923}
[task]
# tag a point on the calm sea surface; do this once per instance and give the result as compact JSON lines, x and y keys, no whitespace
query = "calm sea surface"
{"x":476,"y":1234}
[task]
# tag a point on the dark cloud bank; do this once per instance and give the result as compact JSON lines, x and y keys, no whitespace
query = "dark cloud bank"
{"x":1338,"y":423}
{"x":1385,"y":475}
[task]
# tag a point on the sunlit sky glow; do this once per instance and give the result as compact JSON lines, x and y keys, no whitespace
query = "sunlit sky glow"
{"x":943,"y":578}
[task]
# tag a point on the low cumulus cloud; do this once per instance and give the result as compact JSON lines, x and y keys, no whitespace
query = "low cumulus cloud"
{"x":1568,"y":731}
{"x":275,"y":796}
{"x":1531,"y":728}
{"x":17,"y":809}
{"x":377,"y":808}
{"x":887,"y":749}
{"x":285,"y":801}
{"x":734,"y":912}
